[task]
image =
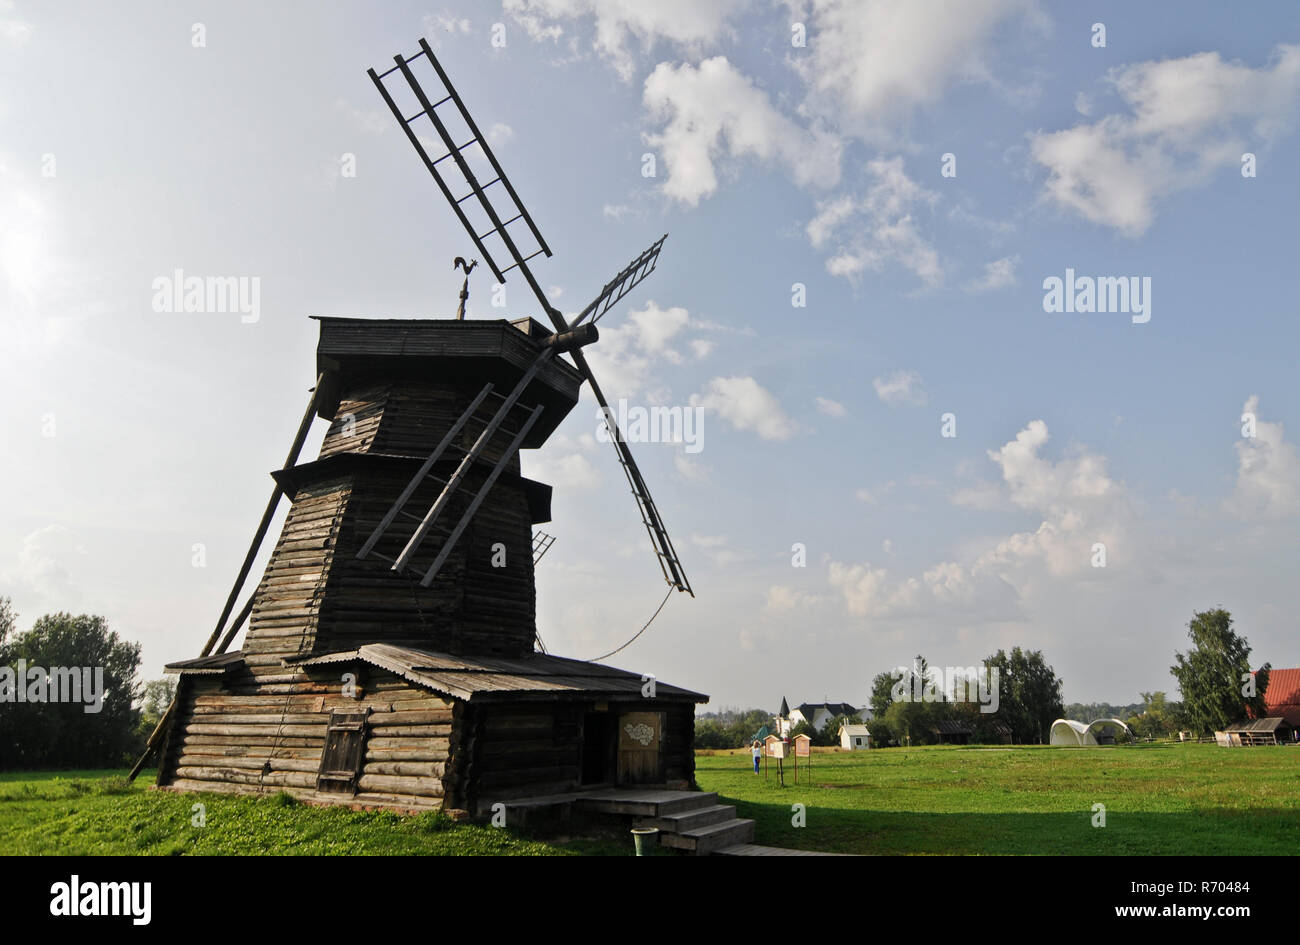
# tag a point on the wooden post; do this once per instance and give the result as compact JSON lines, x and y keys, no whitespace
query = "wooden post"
{"x":269,"y":514}
{"x":299,"y":438}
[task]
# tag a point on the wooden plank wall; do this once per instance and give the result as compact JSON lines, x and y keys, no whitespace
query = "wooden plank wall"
{"x":227,"y":730}
{"x":529,"y":749}
{"x":289,"y":597}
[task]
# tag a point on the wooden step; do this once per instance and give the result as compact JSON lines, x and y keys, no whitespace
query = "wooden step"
{"x":713,"y":837}
{"x":690,"y":819}
{"x":647,"y":803}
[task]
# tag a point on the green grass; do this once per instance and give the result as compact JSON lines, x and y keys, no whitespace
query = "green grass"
{"x":1159,"y":799}
{"x":98,"y":813}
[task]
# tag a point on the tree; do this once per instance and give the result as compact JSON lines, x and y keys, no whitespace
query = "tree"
{"x":8,"y":619}
{"x":1214,"y":676}
{"x":64,"y":733}
{"x":1029,"y":693}
{"x":882,"y":688}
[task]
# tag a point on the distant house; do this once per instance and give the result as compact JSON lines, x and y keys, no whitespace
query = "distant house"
{"x":855,"y":737}
{"x":817,"y":714}
{"x":953,"y":733}
{"x":1270,"y":731}
{"x":783,"y":723}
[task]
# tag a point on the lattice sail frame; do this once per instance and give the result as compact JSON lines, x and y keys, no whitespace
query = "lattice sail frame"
{"x":511,"y":212}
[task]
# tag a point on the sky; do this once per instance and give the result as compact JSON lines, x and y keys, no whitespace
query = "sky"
{"x":906,"y":447}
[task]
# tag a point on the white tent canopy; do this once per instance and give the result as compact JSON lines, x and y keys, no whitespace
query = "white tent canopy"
{"x":1074,"y":734}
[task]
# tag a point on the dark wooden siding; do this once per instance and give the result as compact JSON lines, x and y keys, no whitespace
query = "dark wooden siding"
{"x":228,"y":729}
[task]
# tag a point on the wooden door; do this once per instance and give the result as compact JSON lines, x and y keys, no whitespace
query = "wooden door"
{"x":640,"y":743}
{"x":340,"y":761}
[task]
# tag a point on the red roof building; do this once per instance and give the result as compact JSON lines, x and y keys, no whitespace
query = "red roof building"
{"x":1282,"y":697}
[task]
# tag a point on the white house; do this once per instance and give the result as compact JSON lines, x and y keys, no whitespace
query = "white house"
{"x":819,"y":713}
{"x":855,"y":737}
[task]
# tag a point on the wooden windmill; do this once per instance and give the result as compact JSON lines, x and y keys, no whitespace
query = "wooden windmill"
{"x":390,"y":658}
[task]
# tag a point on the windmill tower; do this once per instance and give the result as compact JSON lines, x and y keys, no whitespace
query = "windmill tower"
{"x":390,"y":654}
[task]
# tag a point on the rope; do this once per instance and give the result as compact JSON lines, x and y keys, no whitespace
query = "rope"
{"x":639,"y":632}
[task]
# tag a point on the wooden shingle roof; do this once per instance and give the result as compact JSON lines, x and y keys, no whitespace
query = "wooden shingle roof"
{"x":481,"y":678}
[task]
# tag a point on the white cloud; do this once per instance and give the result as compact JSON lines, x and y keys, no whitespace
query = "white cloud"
{"x":656,"y":327}
{"x":564,"y":471}
{"x":997,"y":275}
{"x":690,"y":469}
{"x":1186,"y":119}
{"x":690,"y":24}
{"x":46,"y":561}
{"x":625,"y":357}
{"x":702,"y":348}
{"x":832,"y":408}
{"x":871,"y":62}
{"x":13,"y":29}
{"x":499,"y":134}
{"x":746,"y":405}
{"x":879,"y":227}
{"x":900,"y":387}
{"x":713,"y":111}
{"x":1268,"y":470}
{"x":1077,"y":503}
{"x":782,"y":598}
{"x":715,"y":547}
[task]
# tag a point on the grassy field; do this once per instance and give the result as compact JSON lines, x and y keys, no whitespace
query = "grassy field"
{"x":1159,"y":799}
{"x":98,"y":812}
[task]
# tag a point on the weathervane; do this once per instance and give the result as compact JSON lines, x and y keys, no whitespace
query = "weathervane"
{"x":460,"y":263}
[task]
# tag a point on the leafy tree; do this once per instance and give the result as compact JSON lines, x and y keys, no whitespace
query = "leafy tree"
{"x":1215,"y":676}
{"x":64,"y":734}
{"x":155,"y":697}
{"x":1157,"y":719}
{"x":8,"y":619}
{"x":1085,"y":712}
{"x":882,"y":688}
{"x":1029,"y":693}
{"x":711,"y":733}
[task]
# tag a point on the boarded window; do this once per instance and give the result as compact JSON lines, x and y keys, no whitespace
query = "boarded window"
{"x":340,"y":762}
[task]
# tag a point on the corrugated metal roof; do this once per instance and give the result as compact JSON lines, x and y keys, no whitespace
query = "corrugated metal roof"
{"x":1282,"y":697}
{"x":538,"y":676}
{"x":1257,"y":725}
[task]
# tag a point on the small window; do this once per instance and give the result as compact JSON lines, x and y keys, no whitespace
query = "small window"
{"x":340,"y":761}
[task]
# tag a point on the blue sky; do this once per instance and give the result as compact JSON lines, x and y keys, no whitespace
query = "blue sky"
{"x":134,"y":434}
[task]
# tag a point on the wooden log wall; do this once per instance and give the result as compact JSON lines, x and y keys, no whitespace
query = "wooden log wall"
{"x":409,"y":416}
{"x":317,"y":597}
{"x":288,"y":599}
{"x":227,"y":731}
{"x":526,"y":749}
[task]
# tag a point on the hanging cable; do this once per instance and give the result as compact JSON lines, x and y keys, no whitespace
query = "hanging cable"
{"x":639,"y":632}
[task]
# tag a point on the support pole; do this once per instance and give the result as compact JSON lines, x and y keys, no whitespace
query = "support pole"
{"x":299,"y":438}
{"x":265,"y":524}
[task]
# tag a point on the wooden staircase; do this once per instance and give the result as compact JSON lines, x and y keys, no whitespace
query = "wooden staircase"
{"x":691,"y":821}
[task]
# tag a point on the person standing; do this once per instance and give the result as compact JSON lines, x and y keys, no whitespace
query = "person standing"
{"x":756,"y":750}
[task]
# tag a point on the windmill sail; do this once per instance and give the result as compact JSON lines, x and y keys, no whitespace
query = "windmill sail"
{"x":497,"y":202}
